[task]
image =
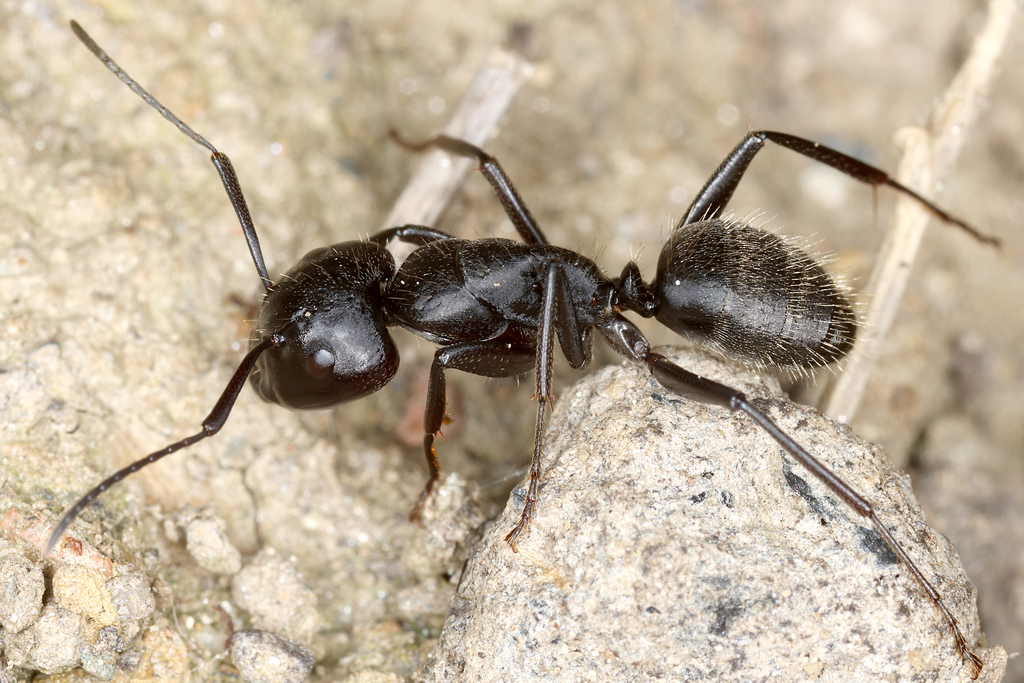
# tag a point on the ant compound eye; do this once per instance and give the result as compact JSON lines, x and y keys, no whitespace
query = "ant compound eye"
{"x":320,"y":364}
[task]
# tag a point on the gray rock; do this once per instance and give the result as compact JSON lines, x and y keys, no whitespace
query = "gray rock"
{"x":263,"y":657}
{"x":58,"y":639}
{"x":134,"y":601}
{"x":208,"y":543}
{"x":21,"y":592}
{"x":271,"y":589}
{"x":675,"y":541}
{"x":99,"y":664}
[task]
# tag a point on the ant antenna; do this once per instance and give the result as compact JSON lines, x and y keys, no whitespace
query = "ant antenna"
{"x":219,"y":159}
{"x":211,"y":425}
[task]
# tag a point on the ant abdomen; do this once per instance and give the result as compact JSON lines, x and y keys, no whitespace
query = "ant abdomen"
{"x":748,"y":294}
{"x":329,"y":311}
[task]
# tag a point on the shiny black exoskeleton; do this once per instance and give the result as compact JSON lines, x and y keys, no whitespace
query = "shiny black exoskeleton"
{"x":495,"y":307}
{"x":329,"y":310}
{"x":749,"y":294}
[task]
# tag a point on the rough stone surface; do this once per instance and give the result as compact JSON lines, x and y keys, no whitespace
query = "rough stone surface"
{"x":57,"y":637}
{"x":208,"y":543}
{"x":271,"y":589}
{"x":676,"y":542}
{"x":21,"y":592}
{"x":263,"y":657}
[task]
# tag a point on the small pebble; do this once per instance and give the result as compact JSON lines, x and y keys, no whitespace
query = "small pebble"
{"x":132,"y":597}
{"x":98,"y":664}
{"x":84,"y":591}
{"x":209,"y":545}
{"x":271,"y":589}
{"x":17,"y":647}
{"x":21,"y":592}
{"x":264,"y":657}
{"x":58,"y":639}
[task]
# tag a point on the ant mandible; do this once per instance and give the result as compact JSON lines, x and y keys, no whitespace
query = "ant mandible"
{"x":495,"y":307}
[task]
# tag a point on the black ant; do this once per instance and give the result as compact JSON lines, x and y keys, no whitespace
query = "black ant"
{"x":495,"y":307}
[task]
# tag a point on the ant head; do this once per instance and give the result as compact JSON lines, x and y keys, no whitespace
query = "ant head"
{"x":336,"y":346}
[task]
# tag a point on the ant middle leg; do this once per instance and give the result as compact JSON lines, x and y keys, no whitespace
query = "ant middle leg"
{"x":515,"y":207}
{"x":557,"y":319}
{"x":499,"y":357}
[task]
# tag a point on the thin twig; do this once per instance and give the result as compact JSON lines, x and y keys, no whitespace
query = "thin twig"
{"x":440,"y":175}
{"x":927,"y":160}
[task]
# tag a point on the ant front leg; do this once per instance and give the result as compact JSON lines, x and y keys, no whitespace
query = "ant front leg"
{"x":716,"y":193}
{"x":496,"y":358}
{"x":515,"y":207}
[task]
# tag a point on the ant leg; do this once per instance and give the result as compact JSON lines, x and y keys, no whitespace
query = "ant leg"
{"x":515,"y":207}
{"x":558,"y":317}
{"x":227,"y":172}
{"x":870,"y":175}
{"x":495,"y":358}
{"x":703,"y":390}
{"x":575,"y":341}
{"x":718,"y":190}
{"x":211,"y":425}
{"x":716,"y":193}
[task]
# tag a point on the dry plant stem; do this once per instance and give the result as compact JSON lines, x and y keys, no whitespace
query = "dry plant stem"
{"x":927,"y":160}
{"x":440,"y":174}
